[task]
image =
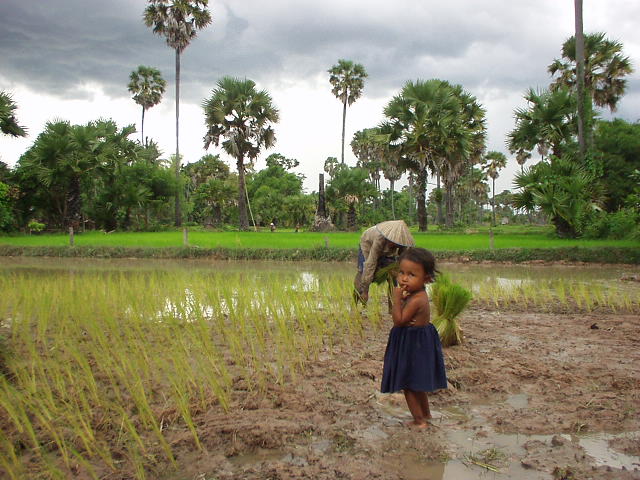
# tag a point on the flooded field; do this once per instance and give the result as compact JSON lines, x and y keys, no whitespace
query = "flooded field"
{"x":261,"y":370}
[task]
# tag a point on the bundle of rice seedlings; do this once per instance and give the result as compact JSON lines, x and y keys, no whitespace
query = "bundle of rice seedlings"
{"x":450,"y":299}
{"x":438,"y":290}
{"x":387,"y":274}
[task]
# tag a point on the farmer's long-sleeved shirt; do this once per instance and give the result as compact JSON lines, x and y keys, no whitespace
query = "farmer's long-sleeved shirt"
{"x":373,"y":246}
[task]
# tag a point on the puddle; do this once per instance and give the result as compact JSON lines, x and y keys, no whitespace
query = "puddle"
{"x":518,"y":400}
{"x":258,"y":456}
{"x":597,"y":447}
{"x":470,"y":437}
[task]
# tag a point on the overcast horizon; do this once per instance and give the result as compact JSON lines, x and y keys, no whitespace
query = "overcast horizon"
{"x":71,"y":59}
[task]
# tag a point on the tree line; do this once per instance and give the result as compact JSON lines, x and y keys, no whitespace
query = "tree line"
{"x":96,"y":176}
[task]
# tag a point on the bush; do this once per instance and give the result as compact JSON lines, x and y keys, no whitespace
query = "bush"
{"x":621,"y":224}
{"x":35,"y":226}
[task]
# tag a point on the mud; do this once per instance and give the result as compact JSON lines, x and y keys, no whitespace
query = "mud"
{"x":532,"y":396}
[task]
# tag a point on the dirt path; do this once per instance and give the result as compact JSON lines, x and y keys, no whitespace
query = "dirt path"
{"x":530,"y":393}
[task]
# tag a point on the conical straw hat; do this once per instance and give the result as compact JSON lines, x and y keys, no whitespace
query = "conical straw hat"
{"x":397,"y":232}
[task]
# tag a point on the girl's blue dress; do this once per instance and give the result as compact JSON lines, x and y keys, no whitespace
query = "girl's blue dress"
{"x":413,"y":360}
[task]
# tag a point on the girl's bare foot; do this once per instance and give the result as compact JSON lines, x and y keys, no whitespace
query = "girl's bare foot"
{"x":414,"y":424}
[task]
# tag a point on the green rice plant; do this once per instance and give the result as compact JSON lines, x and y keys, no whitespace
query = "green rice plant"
{"x":559,"y":288}
{"x":450,"y":299}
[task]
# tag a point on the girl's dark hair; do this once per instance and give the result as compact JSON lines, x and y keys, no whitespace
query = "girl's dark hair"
{"x":423,"y":257}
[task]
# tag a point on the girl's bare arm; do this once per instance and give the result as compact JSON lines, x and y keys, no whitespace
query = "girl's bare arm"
{"x":403,"y":315}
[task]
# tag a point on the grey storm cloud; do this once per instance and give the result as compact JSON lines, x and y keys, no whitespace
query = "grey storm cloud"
{"x":57,"y":46}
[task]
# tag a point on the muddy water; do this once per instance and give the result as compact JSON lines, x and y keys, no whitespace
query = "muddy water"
{"x":307,"y":274}
{"x":469,"y":439}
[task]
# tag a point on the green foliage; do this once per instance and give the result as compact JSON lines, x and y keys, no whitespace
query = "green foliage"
{"x":546,"y":124}
{"x":8,"y":122}
{"x":35,"y":226}
{"x":621,"y":224}
{"x":93,"y":169}
{"x":240,"y":118}
{"x":617,"y":153}
{"x":605,"y":69}
{"x":562,"y":189}
{"x":349,"y":188}
{"x":450,"y":300}
{"x":276,"y":194}
{"x":6,"y":214}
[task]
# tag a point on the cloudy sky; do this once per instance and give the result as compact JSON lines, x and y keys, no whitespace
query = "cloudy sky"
{"x":71,"y":59}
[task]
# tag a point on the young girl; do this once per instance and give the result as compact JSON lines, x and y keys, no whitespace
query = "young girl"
{"x":413,"y":360}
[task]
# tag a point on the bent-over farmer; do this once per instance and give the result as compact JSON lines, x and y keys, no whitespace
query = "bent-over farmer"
{"x":379,"y":247}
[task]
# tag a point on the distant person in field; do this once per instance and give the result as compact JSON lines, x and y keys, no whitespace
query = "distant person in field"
{"x":379,"y":247}
{"x":413,"y":361}
{"x":272,"y":227}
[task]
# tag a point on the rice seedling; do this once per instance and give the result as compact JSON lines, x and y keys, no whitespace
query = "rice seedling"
{"x":450,"y":299}
{"x":96,"y":359}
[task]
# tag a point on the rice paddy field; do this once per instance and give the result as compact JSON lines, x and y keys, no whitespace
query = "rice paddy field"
{"x":114,"y":369}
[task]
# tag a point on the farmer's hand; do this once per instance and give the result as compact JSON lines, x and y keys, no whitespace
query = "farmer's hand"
{"x":364,"y":296}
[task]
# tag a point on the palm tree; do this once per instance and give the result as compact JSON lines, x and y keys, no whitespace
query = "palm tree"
{"x":347,"y":79}
{"x":562,"y":189}
{"x":547,"y":124}
{"x":494,"y":161}
{"x":466,"y":148}
{"x":367,"y":151}
{"x":604,"y":69}
{"x":147,"y":86}
{"x":178,"y":21}
{"x":240,"y":116}
{"x":428,"y":114}
{"x":580,"y":76}
{"x":521,"y":158}
{"x":8,"y":123}
{"x":474,"y":185}
{"x":388,"y":144}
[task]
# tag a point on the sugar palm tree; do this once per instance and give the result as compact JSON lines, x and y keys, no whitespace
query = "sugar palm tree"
{"x":604,"y":69}
{"x":147,"y":86}
{"x":579,"y":57}
{"x":547,"y":123}
{"x":388,"y":143}
{"x":494,"y":161}
{"x":466,"y":145}
{"x":8,"y":123}
{"x":240,"y":117}
{"x":347,"y":79}
{"x":428,"y":114}
{"x":178,"y":21}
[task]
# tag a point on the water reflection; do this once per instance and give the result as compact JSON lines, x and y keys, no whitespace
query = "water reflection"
{"x":305,"y":277}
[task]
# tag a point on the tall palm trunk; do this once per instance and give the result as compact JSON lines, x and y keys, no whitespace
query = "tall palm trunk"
{"x":242,"y":196}
{"x":74,"y":204}
{"x":178,"y":221}
{"x":493,"y":203}
{"x":393,"y":209}
{"x":580,"y":77}
{"x":420,"y":198}
{"x":449,"y":204}
{"x":344,"y":118}
{"x":142,"y":129}
{"x":440,"y":216}
{"x":351,"y":218}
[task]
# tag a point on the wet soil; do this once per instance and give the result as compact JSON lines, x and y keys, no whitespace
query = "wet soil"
{"x":532,"y":396}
